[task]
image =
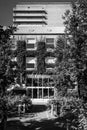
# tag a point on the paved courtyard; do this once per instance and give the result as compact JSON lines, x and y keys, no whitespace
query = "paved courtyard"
{"x":36,"y":121}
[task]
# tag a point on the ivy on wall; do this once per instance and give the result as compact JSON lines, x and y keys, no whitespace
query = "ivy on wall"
{"x":41,"y":52}
{"x":21,"y":54}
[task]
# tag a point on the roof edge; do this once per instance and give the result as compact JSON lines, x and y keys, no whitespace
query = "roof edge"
{"x":21,"y":3}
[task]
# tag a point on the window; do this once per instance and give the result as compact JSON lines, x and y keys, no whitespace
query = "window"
{"x":49,"y":40}
{"x":50,"y":44}
{"x":50,"y":63}
{"x":14,"y":59}
{"x":31,"y":44}
{"x":14,"y":45}
{"x":50,"y":60}
{"x":30,"y":63}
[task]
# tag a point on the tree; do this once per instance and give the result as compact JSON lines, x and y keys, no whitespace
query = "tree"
{"x":41,"y":52}
{"x":76,"y":32}
{"x":21,"y":52}
{"x":5,"y":59}
{"x":64,"y":68}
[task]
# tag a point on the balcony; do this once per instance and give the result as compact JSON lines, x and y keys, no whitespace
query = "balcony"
{"x":40,"y":22}
{"x":28,"y":15}
{"x":34,"y":10}
{"x":28,"y":20}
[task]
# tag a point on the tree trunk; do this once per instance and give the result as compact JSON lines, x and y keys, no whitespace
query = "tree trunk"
{"x":67,"y":126}
{"x":4,"y":121}
{"x":21,"y":79}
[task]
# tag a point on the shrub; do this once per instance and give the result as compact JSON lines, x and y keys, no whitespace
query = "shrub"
{"x":71,"y":112}
{"x":12,"y":102}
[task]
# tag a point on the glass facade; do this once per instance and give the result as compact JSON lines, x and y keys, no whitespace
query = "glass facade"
{"x":40,"y":86}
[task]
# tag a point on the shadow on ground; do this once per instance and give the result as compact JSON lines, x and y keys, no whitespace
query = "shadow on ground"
{"x":32,"y":110}
{"x":31,"y":123}
{"x":38,"y":108}
{"x":34,"y":125}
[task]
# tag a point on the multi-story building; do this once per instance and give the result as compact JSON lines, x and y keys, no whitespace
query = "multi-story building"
{"x":39,"y":23}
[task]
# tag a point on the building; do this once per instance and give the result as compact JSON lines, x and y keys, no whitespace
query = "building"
{"x":39,"y":23}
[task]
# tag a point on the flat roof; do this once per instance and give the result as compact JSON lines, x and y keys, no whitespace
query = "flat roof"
{"x":43,"y":3}
{"x":39,"y":30}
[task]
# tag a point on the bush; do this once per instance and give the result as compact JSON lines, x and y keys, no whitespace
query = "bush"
{"x":11,"y":102}
{"x":71,"y":112}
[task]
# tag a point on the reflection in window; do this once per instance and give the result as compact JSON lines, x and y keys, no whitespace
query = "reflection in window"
{"x":29,"y":81}
{"x":51,"y":92}
{"x":30,"y":63}
{"x":45,"y":92}
{"x":31,"y":44}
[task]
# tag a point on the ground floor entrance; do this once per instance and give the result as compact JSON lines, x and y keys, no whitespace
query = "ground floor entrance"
{"x":40,"y":92}
{"x":40,"y":86}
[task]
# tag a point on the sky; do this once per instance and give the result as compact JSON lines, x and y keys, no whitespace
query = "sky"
{"x":6,"y":9}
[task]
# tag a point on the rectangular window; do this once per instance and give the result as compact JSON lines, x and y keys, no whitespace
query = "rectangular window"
{"x":30,"y":63}
{"x":49,"y":40}
{"x":31,"y":44}
{"x":50,"y":44}
{"x":50,"y":63}
{"x":14,"y":59}
{"x":50,"y":60}
{"x":14,"y":45}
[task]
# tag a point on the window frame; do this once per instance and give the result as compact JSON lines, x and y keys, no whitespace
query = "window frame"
{"x":35,"y":45}
{"x":50,"y":43}
{"x":35,"y":63}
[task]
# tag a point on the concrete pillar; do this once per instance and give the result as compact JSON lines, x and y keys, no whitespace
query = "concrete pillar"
{"x":32,"y":86}
{"x":48,"y":92}
{"x":42,"y":92}
{"x":37,"y":92}
{"x":48,"y":82}
{"x":52,"y":113}
{"x":32,"y":81}
{"x":42,"y":87}
{"x":42,"y":81}
{"x":32,"y":92}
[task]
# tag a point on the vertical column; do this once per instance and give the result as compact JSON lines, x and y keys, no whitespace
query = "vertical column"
{"x":42,"y":81}
{"x":38,"y":81}
{"x":38,"y":88}
{"x":32,"y":92}
{"x":48,"y":87}
{"x":42,"y":87}
{"x":48,"y":92}
{"x":42,"y":92}
{"x":32,"y":81}
{"x":37,"y":92}
{"x":32,"y":86}
{"x":48,"y":82}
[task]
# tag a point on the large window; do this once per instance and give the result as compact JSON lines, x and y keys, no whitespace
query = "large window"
{"x":31,"y":63}
{"x":14,"y":59}
{"x":49,"y":40}
{"x":50,"y":63}
{"x":50,"y":60}
{"x":50,"y":44}
{"x":31,"y":44}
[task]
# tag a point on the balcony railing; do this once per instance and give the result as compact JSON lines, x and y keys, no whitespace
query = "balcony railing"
{"x":29,"y":11}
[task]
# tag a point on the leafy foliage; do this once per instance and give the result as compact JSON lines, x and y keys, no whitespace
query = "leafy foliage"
{"x":5,"y":57}
{"x":10,"y":104}
{"x":21,"y":53}
{"x":76,"y":32}
{"x":73,"y":113}
{"x":5,"y":60}
{"x":41,"y":52}
{"x":64,"y":69}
